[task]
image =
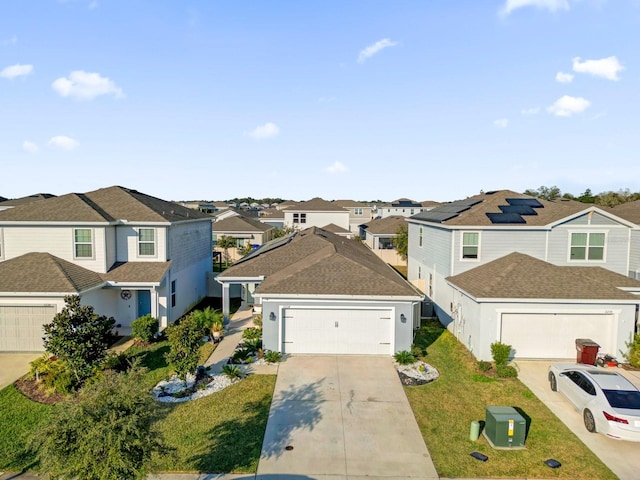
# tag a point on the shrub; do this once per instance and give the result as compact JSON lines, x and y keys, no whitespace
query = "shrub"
{"x":272,"y":356}
{"x":404,"y":358}
{"x":145,"y":328}
{"x":241,"y":355}
{"x":207,"y":319}
{"x":185,"y":339}
{"x":484,"y":366}
{"x":500,"y":353}
{"x":251,"y":333}
{"x":418,"y":351}
{"x":53,"y":374}
{"x":506,"y":371}
{"x":253,"y":344}
{"x":257,"y":320}
{"x":633,"y":355}
{"x":232,"y":371}
{"x":116,"y":361}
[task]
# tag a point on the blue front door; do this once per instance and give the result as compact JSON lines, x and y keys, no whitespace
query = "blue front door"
{"x":144,"y":302}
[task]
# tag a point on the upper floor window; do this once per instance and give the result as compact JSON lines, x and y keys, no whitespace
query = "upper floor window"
{"x":173,"y":293}
{"x":420,"y":237}
{"x":470,"y":244}
{"x":299,"y":218}
{"x":146,"y":242}
{"x":82,"y":243}
{"x":357,"y":211}
{"x":587,"y":246}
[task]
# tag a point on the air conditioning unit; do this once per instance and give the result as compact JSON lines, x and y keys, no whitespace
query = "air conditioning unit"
{"x":504,"y":428}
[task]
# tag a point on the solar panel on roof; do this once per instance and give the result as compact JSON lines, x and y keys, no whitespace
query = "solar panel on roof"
{"x":267,"y":247}
{"x":519,"y":209}
{"x":530,"y":202}
{"x":505,"y":218}
{"x":447,"y":211}
{"x":437,"y":217}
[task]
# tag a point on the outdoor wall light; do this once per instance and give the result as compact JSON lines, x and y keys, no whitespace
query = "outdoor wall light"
{"x":403,"y":319}
{"x":272,"y":317}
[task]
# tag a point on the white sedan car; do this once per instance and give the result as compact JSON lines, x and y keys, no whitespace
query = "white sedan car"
{"x":608,"y":402}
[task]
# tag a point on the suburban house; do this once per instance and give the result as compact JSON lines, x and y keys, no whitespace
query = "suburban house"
{"x":404,"y":207}
{"x":378,"y":235}
{"x":246,"y":232}
{"x":322,"y":293}
{"x":4,"y":204}
{"x":272,"y":216}
{"x":359,"y":213}
{"x":631,"y":212}
{"x":315,"y":213}
{"x":125,"y":253}
{"x":502,"y":266}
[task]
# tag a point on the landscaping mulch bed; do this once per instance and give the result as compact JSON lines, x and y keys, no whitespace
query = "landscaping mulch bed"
{"x":31,"y":389}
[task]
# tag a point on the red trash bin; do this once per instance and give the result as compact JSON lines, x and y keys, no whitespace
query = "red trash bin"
{"x":587,"y":351}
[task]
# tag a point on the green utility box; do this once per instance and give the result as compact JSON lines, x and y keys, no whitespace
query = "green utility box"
{"x":504,"y":428}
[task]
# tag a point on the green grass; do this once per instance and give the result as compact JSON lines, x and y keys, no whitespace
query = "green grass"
{"x":445,"y":408}
{"x":219,"y":433}
{"x":19,"y":418}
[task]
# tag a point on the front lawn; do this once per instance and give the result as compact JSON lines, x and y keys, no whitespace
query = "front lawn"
{"x":445,"y":409}
{"x":219,"y":433}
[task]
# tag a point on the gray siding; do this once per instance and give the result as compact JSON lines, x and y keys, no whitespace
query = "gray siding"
{"x":634,"y":255}
{"x":434,"y":253}
{"x":189,"y":243}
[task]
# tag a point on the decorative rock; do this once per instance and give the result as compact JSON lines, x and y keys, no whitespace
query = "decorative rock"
{"x":417,"y":373}
{"x":164,"y":390}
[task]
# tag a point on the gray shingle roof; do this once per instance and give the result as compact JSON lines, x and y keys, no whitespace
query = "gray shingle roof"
{"x":629,"y":211}
{"x":317,"y":204}
{"x":521,"y":276}
{"x":240,"y":224}
{"x":23,"y":200}
{"x":317,"y":262}
{"x":43,"y":272}
{"x":490,"y":203}
{"x":350,"y":203}
{"x":385,"y":226}
{"x":103,"y":205}
{"x":333,"y":228}
{"x":137,"y":272}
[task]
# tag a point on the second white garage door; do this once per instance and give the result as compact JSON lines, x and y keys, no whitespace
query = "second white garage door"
{"x":21,"y":327}
{"x":337,"y":331}
{"x":553,"y":336}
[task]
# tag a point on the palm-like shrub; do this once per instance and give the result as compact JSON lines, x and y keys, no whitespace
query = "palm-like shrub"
{"x":404,"y":358}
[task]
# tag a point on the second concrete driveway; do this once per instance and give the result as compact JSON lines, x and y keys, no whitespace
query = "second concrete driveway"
{"x":620,"y":456}
{"x":342,"y":417}
{"x":14,"y":365}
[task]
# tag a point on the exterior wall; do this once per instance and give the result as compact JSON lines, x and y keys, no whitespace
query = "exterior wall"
{"x":56,"y":240}
{"x":110,"y":245}
{"x":404,"y":211}
{"x":634,"y":255}
{"x":403,"y":332}
{"x":127,"y":241}
{"x":356,"y":220}
{"x":433,"y":256}
{"x":191,"y":287}
{"x":189,"y":243}
{"x":318,"y":219}
{"x":390,"y":256}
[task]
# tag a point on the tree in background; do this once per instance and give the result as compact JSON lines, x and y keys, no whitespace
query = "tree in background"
{"x":401,"y":241}
{"x":104,"y":433}
{"x":79,"y":336}
{"x":281,"y":232}
{"x":546,"y":193}
{"x":226,"y":243}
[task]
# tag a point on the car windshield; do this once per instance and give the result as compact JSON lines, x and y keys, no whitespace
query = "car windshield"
{"x":623,"y":398}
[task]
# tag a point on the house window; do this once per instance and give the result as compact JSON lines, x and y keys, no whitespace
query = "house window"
{"x":430,"y":285}
{"x":173,"y":293}
{"x":470,"y":244}
{"x":357,"y":211}
{"x":419,"y":272}
{"x":146,"y":242}
{"x":420,"y":238}
{"x":299,"y":218}
{"x":587,"y":246}
{"x":82,"y":243}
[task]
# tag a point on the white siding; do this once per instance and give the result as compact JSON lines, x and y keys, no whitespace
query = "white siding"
{"x":127,"y":244}
{"x":634,"y":255}
{"x":318,"y":219}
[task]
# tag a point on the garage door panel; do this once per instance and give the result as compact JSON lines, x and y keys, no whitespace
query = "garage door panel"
{"x":543,"y":335}
{"x":328,"y":331}
{"x":21,"y":327}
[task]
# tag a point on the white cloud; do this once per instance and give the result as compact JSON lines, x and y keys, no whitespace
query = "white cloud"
{"x":18,"y":70}
{"x":530,"y":111}
{"x":261,"y":132}
{"x":566,"y":106}
{"x":371,"y":50}
{"x":564,"y":77}
{"x":85,"y":86}
{"x":29,"y":147}
{"x":501,"y":122}
{"x":93,"y":5}
{"x":551,"y":5}
{"x":336,"y":167}
{"x":605,"y":67}
{"x":63,"y":143}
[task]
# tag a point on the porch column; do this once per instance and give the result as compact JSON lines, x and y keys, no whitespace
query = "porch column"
{"x":225,"y":302}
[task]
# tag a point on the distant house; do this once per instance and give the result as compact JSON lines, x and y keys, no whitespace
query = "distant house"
{"x":404,"y":207}
{"x":316,"y":213}
{"x":125,"y":253}
{"x":4,"y":204}
{"x":359,"y":213}
{"x":338,"y":230}
{"x":272,"y":216}
{"x":321,"y":293}
{"x":246,"y":232}
{"x":503,"y":266}
{"x":379,"y":234}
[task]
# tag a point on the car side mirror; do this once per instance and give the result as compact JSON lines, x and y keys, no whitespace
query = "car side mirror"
{"x":563,"y":374}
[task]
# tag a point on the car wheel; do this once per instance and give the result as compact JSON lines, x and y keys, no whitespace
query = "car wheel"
{"x":552,"y":382}
{"x":589,"y":421}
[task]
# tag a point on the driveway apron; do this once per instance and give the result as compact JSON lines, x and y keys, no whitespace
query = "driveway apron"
{"x":342,"y":417}
{"x":14,"y":365}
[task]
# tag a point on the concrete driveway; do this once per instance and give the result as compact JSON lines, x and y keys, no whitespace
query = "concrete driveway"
{"x":622,"y":457}
{"x":342,"y":417}
{"x":14,"y":365}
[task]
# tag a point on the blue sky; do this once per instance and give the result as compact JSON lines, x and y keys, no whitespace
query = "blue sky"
{"x":431,"y":100}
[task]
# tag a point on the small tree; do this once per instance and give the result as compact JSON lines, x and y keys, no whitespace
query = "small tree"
{"x":185,"y":339}
{"x":226,"y":243}
{"x":79,"y":336}
{"x":401,"y":241}
{"x":104,"y":433}
{"x":281,"y":232}
{"x":145,"y":328}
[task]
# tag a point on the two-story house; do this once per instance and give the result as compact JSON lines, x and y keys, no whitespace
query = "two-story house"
{"x":502,"y":266}
{"x":379,"y":235}
{"x":405,"y":207}
{"x":315,"y":213}
{"x":246,"y":232}
{"x":359,"y":213}
{"x":125,"y":253}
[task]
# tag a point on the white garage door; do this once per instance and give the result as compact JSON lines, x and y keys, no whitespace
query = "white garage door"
{"x":337,"y":331}
{"x":537,"y":335}
{"x":21,"y":327}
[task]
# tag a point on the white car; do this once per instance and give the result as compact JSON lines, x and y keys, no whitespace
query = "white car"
{"x":608,"y":402}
